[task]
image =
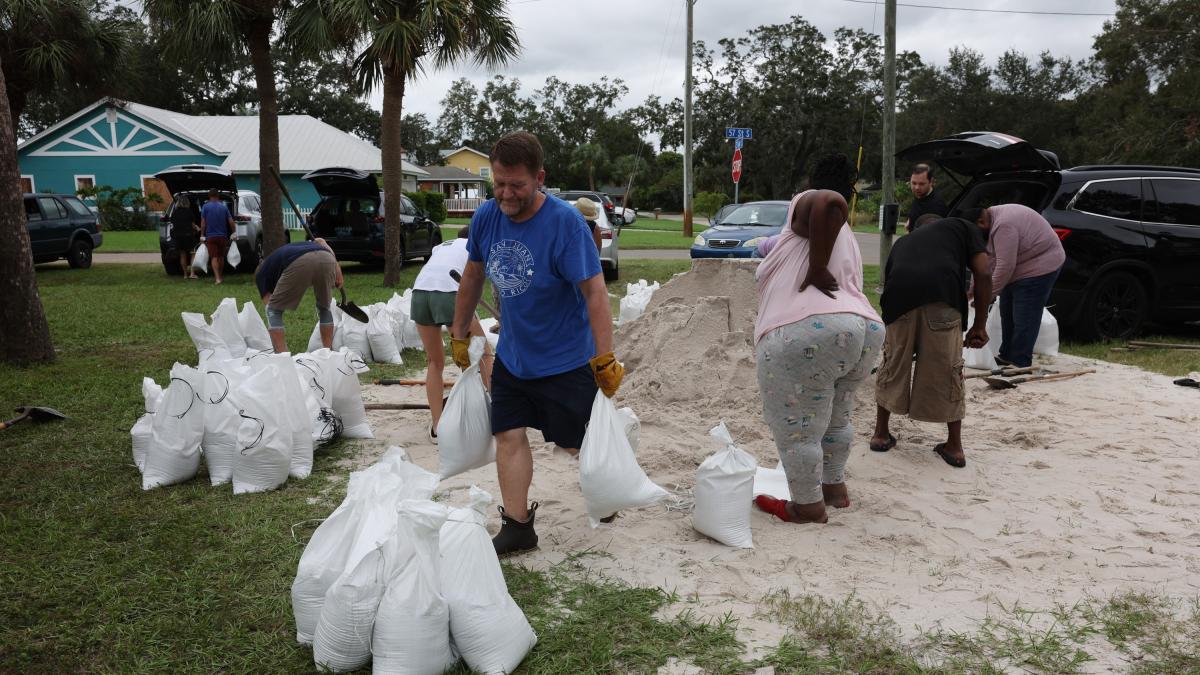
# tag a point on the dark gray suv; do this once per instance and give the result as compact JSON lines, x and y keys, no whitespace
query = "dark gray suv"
{"x":61,"y":226}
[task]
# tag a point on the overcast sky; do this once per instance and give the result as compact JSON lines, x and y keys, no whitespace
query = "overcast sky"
{"x":642,"y":41}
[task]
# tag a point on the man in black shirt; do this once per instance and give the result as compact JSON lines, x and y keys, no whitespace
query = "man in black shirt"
{"x":924,"y":308}
{"x":925,"y":196}
{"x":286,"y":274}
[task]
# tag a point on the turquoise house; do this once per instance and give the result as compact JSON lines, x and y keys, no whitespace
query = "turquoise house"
{"x":123,"y":144}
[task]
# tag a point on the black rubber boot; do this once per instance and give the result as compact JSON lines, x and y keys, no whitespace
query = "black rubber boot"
{"x":515,"y":536}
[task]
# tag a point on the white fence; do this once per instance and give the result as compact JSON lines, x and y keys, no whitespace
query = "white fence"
{"x":289,"y":218}
{"x":464,"y":205}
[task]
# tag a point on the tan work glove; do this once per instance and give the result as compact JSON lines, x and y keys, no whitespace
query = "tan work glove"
{"x":458,"y":349}
{"x":608,"y":372}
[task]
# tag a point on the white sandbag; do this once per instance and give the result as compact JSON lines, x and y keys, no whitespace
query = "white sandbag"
{"x":354,"y":333}
{"x":492,"y":338}
{"x":264,"y":436}
{"x":464,"y":431}
{"x":609,"y":475}
{"x":632,"y":426}
{"x":296,"y":417}
{"x":174,"y":452}
{"x":772,"y":482}
{"x":254,"y":329}
{"x":381,"y":335}
{"x":342,"y":367}
{"x":724,"y":491}
{"x":983,"y":358}
{"x":637,"y":297}
{"x":1047,"y":339}
{"x":326,"y":554}
{"x":412,"y":628}
{"x":314,"y":340}
{"x":221,"y":419}
{"x":208,"y":343}
{"x":316,"y":378}
{"x":407,"y":336}
{"x":487,"y":627}
{"x":234,"y":256}
{"x":225,"y":322}
{"x":342,"y":639}
{"x":143,"y":429}
{"x":200,"y":260}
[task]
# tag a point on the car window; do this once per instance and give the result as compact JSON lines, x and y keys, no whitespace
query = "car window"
{"x":78,"y":207}
{"x":409,"y":208}
{"x":31,"y":210}
{"x":52,"y":208}
{"x":1112,"y":198}
{"x":1175,"y":202}
{"x":757,"y":214}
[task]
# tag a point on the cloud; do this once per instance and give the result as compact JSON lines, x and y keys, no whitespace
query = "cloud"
{"x":642,"y":41}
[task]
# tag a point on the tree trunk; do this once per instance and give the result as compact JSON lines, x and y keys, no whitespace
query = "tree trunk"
{"x":393,"y":175}
{"x":24,"y":336}
{"x":258,"y":37}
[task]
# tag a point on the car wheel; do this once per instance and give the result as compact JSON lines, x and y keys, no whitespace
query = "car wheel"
{"x":257,"y":254}
{"x":1115,"y":309}
{"x":172,"y":267}
{"x":79,"y":254}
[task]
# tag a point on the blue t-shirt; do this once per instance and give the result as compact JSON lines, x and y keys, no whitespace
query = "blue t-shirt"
{"x":536,"y":267}
{"x":216,"y":218}
{"x":273,"y":266}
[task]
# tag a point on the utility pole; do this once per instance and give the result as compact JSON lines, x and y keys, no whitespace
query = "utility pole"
{"x":687,"y":129}
{"x":889,"y":135}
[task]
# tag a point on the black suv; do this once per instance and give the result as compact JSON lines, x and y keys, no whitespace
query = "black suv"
{"x":61,"y":226}
{"x":1131,"y":233}
{"x":349,"y":217}
{"x":610,"y":209}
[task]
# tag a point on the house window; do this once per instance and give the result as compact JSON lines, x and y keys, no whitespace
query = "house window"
{"x":84,"y":183}
{"x":157,"y":188}
{"x":27,"y":184}
{"x":485,"y":172}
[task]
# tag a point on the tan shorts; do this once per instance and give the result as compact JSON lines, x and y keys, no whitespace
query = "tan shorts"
{"x":317,"y":269}
{"x":931,"y":389}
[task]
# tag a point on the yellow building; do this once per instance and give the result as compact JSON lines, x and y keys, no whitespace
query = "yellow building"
{"x":469,"y":159}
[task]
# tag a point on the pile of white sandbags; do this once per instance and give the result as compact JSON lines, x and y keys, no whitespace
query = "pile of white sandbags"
{"x":389,"y":331}
{"x":255,"y":420}
{"x":985,"y":357}
{"x":395,"y":577}
{"x":637,"y":297}
{"x":232,"y":334}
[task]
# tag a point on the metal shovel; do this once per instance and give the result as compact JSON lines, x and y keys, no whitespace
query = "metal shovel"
{"x":35,"y":413}
{"x":352,"y":310}
{"x":1001,"y":383}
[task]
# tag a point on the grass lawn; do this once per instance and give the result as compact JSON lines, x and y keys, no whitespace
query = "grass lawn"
{"x":139,"y":241}
{"x":97,"y":575}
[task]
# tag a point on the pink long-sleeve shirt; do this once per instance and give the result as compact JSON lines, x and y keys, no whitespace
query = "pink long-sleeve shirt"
{"x":1021,"y":245}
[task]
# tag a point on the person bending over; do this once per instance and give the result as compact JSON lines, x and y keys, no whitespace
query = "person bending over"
{"x":283,"y":277}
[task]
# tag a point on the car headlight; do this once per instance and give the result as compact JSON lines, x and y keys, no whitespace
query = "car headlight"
{"x":754,"y":242}
{"x":698,"y":241}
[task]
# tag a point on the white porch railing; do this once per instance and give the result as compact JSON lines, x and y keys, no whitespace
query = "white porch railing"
{"x":461,"y":205}
{"x":289,"y":218}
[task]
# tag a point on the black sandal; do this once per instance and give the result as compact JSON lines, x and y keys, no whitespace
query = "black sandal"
{"x":1187,"y":382}
{"x":884,"y":447}
{"x":955,"y":462}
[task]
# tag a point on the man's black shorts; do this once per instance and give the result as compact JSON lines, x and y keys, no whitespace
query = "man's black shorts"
{"x":558,"y":405}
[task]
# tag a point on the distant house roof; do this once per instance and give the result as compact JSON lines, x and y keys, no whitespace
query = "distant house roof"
{"x":450,"y":174}
{"x":447,"y":153}
{"x":305,"y":143}
{"x":613,"y":190}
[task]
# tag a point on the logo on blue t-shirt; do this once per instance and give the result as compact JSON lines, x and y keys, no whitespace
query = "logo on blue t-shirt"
{"x":510,"y":267}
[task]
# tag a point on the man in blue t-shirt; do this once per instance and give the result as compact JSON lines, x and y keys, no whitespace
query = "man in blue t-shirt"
{"x":217,"y":229}
{"x":556,"y":337}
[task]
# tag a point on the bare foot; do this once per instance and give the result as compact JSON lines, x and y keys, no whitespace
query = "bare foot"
{"x":836,"y":495}
{"x":806,"y":513}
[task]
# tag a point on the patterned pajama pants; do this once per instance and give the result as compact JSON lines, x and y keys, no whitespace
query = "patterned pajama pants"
{"x":807,"y":374}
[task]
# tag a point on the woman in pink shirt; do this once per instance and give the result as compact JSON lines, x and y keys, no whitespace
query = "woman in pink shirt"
{"x":817,"y":337}
{"x":1026,"y":256}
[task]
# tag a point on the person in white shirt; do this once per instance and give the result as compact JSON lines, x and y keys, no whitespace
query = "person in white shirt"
{"x":433,"y":298}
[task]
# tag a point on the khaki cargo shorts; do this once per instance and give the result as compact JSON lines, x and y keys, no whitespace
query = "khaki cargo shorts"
{"x":317,"y":269}
{"x":930,"y":389}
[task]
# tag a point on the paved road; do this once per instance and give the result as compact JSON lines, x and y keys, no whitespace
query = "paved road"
{"x":868,"y":242}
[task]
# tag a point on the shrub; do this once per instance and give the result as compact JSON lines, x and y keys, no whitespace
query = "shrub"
{"x":123,"y":209}
{"x":432,"y":203}
{"x":708,"y":203}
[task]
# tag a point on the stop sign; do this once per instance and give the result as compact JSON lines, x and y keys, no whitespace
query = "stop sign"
{"x":737,"y":166}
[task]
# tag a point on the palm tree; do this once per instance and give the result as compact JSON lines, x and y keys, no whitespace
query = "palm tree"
{"x":395,"y":40}
{"x":47,"y":43}
{"x":588,"y":158}
{"x":221,"y":26}
{"x":26,"y":336}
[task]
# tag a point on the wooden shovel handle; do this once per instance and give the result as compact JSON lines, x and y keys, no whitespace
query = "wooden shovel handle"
{"x":1060,"y":376}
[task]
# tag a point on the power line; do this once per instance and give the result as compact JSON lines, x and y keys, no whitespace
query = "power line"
{"x":980,"y":9}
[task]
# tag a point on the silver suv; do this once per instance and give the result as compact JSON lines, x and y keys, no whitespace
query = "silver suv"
{"x":195,"y":181}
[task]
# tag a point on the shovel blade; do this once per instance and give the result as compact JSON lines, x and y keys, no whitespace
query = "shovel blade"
{"x":999,"y":383}
{"x":354,"y":311}
{"x":40,"y":413}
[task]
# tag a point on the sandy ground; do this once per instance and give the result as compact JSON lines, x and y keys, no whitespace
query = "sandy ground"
{"x":1074,"y":488}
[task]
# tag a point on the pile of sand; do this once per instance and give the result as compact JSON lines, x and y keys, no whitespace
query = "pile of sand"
{"x":1077,"y":487}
